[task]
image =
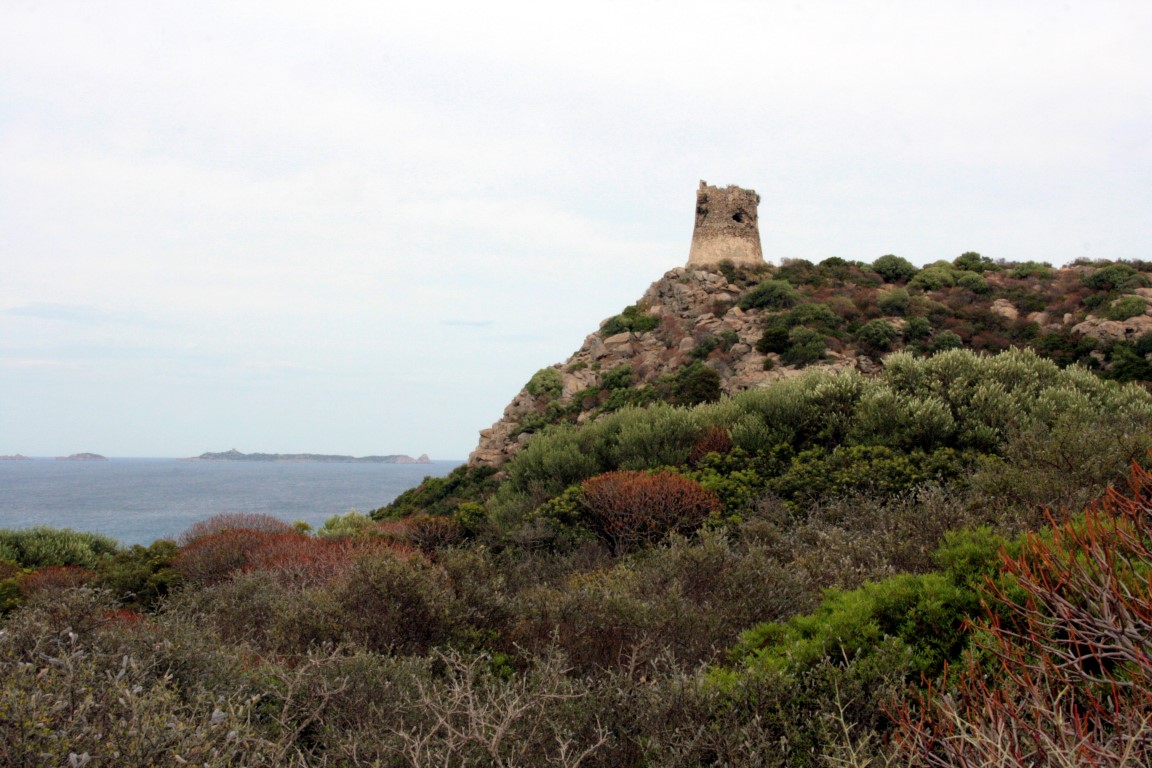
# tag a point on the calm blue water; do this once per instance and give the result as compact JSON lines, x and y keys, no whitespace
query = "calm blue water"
{"x":138,"y":501}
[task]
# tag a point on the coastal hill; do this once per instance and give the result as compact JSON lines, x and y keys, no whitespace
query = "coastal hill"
{"x":82,"y":457}
{"x":235,"y":455}
{"x":701,"y":332}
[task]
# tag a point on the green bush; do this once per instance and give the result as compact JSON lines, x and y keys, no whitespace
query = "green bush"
{"x":894,"y":269}
{"x":1114,"y":277}
{"x":1027,"y":269}
{"x":877,"y":336}
{"x":894,"y":302}
{"x":693,"y":384}
{"x":633,"y":319}
{"x":805,"y":345}
{"x":973,"y":282}
{"x":918,"y":328}
{"x":814,"y":315}
{"x":42,"y":547}
{"x":771,"y":294}
{"x":944,"y":341}
{"x":140,"y":577}
{"x":619,"y":377}
{"x":1127,"y":307}
{"x":933,"y":278}
{"x":546,"y":383}
{"x":774,"y":339}
{"x":970,"y":261}
{"x":392,"y":603}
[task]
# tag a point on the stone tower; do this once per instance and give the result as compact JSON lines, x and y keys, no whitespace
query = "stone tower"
{"x":726,"y":227}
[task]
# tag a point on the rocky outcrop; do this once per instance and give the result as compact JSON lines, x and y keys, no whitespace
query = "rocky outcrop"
{"x":695,"y":309}
{"x":1115,"y":330}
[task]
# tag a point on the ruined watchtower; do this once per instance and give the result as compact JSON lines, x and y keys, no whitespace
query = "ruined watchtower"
{"x":726,"y":227}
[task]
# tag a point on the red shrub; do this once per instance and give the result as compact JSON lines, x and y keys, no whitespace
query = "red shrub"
{"x":1068,"y":676}
{"x":422,"y":531}
{"x":302,"y":561}
{"x":233,"y":521}
{"x":633,"y":509}
{"x":715,"y":440}
{"x":214,"y":557}
{"x":124,"y":617}
{"x":55,"y":577}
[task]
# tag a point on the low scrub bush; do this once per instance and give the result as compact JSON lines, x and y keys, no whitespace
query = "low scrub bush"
{"x":234,"y":521}
{"x":633,"y":319}
{"x":894,"y":269}
{"x":770,"y":294}
{"x":42,"y":547}
{"x":1127,"y":307}
{"x":1063,"y":675}
{"x":630,"y":509}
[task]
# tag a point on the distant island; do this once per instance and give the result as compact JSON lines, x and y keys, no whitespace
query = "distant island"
{"x":15,"y":457}
{"x":82,"y":457}
{"x":235,"y":455}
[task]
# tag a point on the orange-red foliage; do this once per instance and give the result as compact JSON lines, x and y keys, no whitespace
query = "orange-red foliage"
{"x":633,"y":509}
{"x":55,"y":577}
{"x":294,"y":558}
{"x":715,"y":440}
{"x":422,"y":531}
{"x":213,"y":557}
{"x":1070,"y":677}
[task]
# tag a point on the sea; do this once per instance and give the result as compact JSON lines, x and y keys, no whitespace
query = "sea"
{"x":139,"y":501}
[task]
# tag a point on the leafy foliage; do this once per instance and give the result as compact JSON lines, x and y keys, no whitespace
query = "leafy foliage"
{"x":632,"y":319}
{"x":41,"y":547}
{"x":894,"y":269}
{"x":631,"y":509}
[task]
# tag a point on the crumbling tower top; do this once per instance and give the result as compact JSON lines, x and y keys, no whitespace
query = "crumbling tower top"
{"x":726,"y":227}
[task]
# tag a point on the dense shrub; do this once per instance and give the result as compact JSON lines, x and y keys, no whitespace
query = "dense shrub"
{"x":805,"y":346}
{"x":633,"y":319}
{"x":234,"y":521}
{"x":1114,"y":277}
{"x":894,"y":269}
{"x":933,"y":278}
{"x":395,"y":603}
{"x":631,"y":509}
{"x":970,"y":261}
{"x":213,"y":557}
{"x":1031,"y":269}
{"x":894,"y":302}
{"x":1064,"y":673}
{"x":770,"y":294}
{"x":693,"y":384}
{"x":877,"y":336}
{"x":41,"y":547}
{"x":1127,"y":307}
{"x":545,"y":383}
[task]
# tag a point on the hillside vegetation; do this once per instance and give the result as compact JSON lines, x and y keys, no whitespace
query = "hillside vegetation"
{"x":923,"y":541}
{"x":697,"y":334}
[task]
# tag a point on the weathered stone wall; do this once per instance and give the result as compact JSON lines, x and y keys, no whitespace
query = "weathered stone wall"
{"x":727,"y":227}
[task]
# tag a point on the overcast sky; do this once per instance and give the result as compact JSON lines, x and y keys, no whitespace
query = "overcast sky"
{"x":360,"y":227}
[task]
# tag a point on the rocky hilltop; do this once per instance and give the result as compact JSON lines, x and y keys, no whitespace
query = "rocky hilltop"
{"x":701,"y":332}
